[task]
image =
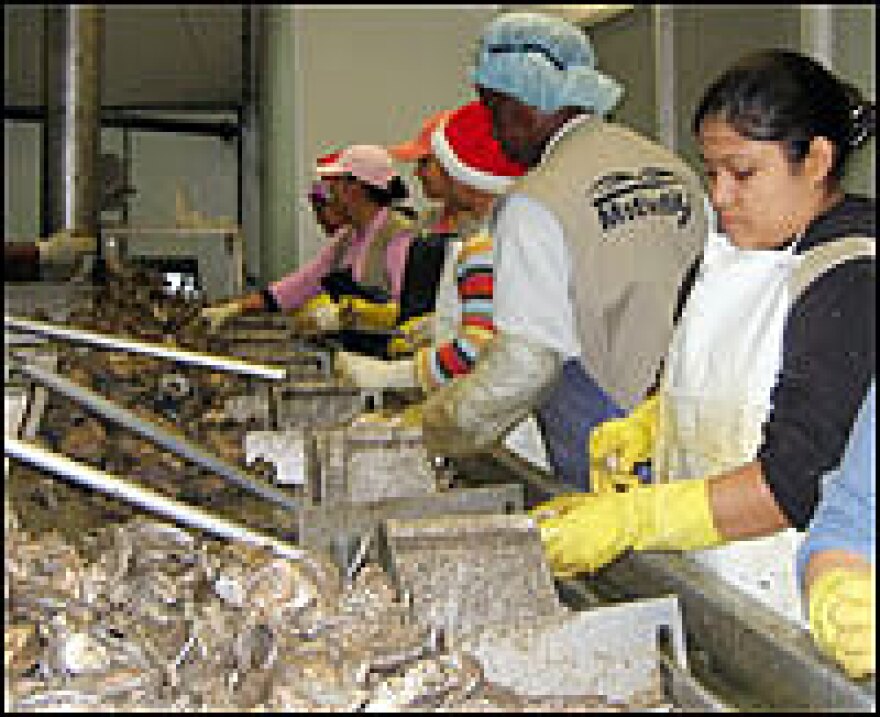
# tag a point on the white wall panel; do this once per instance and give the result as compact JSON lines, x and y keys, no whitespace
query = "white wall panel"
{"x":21,"y":188}
{"x":371,"y":74}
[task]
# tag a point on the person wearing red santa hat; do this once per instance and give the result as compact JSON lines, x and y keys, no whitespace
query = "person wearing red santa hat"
{"x":478,"y":173}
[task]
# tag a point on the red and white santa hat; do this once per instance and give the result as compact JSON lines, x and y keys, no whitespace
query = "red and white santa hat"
{"x":465,"y":147}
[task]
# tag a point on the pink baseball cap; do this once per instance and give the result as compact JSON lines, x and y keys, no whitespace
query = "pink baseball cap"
{"x":420,"y":146}
{"x":367,"y":162}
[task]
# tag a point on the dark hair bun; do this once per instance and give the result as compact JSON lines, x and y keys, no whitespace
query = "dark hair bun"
{"x":863,"y":123}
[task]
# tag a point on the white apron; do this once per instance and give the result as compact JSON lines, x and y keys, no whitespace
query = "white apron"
{"x":723,"y":362}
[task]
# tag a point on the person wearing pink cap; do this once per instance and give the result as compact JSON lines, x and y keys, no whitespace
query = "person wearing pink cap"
{"x":366,"y":254}
{"x":477,"y":172}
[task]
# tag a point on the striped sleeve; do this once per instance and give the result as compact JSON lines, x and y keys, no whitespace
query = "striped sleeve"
{"x":438,"y":365}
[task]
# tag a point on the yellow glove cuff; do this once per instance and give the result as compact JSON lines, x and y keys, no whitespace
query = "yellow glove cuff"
{"x":619,"y":443}
{"x":411,"y":417}
{"x":560,"y":505}
{"x":399,"y":346}
{"x":841,"y":613}
{"x":674,"y":516}
{"x":415,"y":325}
{"x":317,"y":301}
{"x":372,"y":315}
{"x":646,"y":414}
{"x":602,"y":481}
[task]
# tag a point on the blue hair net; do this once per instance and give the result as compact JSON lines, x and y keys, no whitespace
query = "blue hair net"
{"x":544,"y":62}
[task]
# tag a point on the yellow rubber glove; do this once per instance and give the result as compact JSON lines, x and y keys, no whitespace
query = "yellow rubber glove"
{"x":369,"y":418}
{"x":618,"y":444}
{"x":558,"y":506}
{"x":666,"y":516}
{"x":409,"y":418}
{"x":605,"y":481}
{"x":216,"y":316}
{"x":362,"y":314}
{"x":412,"y":416}
{"x":841,"y":608}
{"x":416,"y":333}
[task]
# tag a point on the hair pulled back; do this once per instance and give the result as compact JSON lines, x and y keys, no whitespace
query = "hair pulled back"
{"x":784,"y":96}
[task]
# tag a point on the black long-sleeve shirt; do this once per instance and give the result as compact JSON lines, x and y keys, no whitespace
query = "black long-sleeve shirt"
{"x":828,"y":360}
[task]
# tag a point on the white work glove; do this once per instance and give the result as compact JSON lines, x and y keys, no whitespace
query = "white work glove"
{"x":324,"y":313}
{"x":216,"y":316}
{"x":371,"y":373}
{"x":327,"y":317}
{"x":62,"y":249}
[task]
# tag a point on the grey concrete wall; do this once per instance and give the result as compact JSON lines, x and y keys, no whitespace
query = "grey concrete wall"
{"x":370,"y":75}
{"x":854,"y":49}
{"x":205,"y":167}
{"x":21,"y":188}
{"x":625,"y":46}
{"x":710,"y":38}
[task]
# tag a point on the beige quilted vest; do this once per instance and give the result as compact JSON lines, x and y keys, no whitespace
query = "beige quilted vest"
{"x":634,"y":218}
{"x":375,"y":273}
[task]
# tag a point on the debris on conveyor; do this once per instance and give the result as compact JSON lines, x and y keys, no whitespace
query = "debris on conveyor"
{"x":148,"y":616}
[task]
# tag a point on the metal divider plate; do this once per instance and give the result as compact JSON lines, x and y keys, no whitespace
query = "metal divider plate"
{"x":484,"y":582}
{"x":337,"y":527}
{"x":15,"y":404}
{"x":316,"y":404}
{"x":33,"y":398}
{"x":369,"y":463}
{"x":612,"y":651}
{"x":276,"y":321}
{"x":470,"y":573}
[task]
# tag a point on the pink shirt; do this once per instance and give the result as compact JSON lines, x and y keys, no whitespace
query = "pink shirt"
{"x":297,"y":288}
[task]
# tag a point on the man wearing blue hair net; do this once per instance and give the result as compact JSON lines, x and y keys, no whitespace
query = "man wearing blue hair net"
{"x":591,"y":247}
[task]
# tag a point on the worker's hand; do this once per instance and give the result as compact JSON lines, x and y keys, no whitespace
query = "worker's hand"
{"x":320,"y":313}
{"x":371,"y":373}
{"x":63,"y":249}
{"x":371,"y":418}
{"x":415,"y":333}
{"x":411,"y":417}
{"x":558,"y":506}
{"x":605,"y":481}
{"x":618,"y":444}
{"x":362,"y":314}
{"x":841,"y":611}
{"x":217,"y":316}
{"x":589,"y":535}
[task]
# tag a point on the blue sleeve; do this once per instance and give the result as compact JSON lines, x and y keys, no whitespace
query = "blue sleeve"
{"x":846,"y":514}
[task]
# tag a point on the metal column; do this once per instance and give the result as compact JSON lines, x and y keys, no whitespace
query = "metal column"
{"x":72,"y":132}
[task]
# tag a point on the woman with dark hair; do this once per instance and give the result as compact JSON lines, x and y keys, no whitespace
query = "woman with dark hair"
{"x":360,"y":192}
{"x":773,"y":352}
